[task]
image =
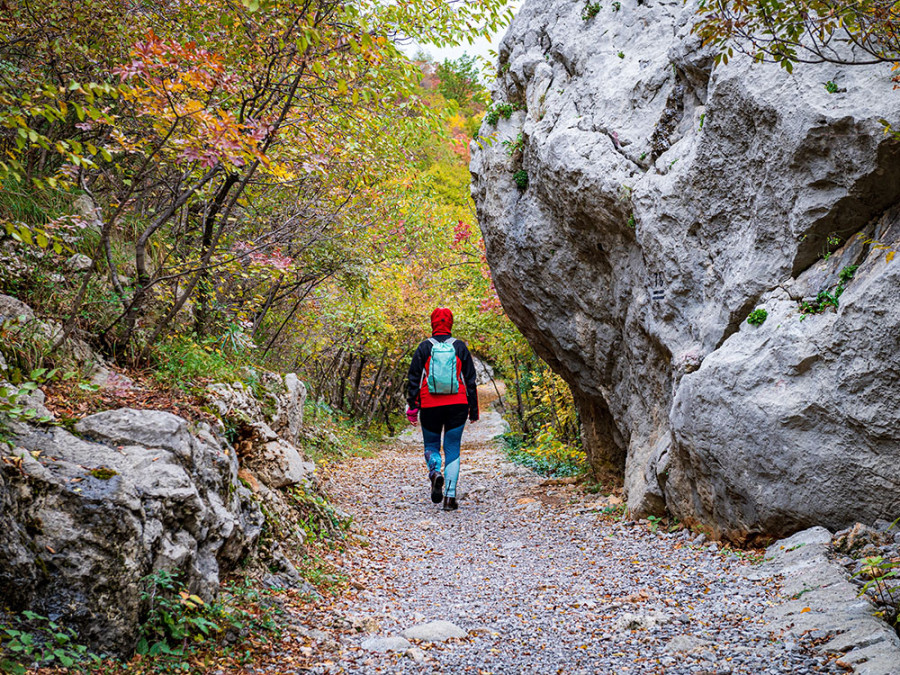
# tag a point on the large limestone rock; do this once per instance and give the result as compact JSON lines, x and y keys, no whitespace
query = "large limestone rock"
{"x":270,"y":427}
{"x":84,"y":518}
{"x":667,"y":199}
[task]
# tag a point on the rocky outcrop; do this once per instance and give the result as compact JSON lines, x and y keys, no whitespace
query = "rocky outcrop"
{"x":820,"y":601}
{"x":269,"y":429}
{"x":666,"y":200}
{"x":83,"y":518}
{"x":20,"y":321}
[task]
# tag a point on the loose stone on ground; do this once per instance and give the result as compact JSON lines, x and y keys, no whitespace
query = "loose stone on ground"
{"x":556,"y":588}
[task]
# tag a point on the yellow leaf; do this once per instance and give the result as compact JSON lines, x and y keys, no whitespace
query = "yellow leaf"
{"x":890,"y":256}
{"x":805,"y":609}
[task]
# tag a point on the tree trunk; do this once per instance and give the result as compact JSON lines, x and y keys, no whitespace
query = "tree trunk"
{"x":357,"y":383}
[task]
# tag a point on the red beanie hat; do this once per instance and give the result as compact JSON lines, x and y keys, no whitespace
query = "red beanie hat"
{"x":441,"y":321}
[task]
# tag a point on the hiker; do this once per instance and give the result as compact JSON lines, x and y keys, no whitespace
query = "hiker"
{"x":442,"y":394}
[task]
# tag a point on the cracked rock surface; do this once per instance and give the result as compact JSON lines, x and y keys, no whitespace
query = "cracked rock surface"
{"x":667,"y":199}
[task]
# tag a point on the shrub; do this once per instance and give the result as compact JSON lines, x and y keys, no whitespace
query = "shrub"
{"x":178,"y":623}
{"x":590,"y":10}
{"x":498,"y":110}
{"x":521,"y":178}
{"x":547,"y":455}
{"x":185,"y":362}
{"x":30,"y":639}
{"x":757,"y":317}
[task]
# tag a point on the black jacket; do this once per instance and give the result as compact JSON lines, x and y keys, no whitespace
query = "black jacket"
{"x":420,"y":358}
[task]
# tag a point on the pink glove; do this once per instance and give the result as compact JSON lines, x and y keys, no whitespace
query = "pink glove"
{"x":413,"y":416}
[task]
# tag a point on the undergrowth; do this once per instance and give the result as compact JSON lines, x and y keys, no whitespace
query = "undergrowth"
{"x":186,"y":362}
{"x":330,"y":436}
{"x":545,"y":455}
{"x":29,"y":640}
{"x":179,"y":633}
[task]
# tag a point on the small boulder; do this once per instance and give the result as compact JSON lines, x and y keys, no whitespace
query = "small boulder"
{"x":853,"y":540}
{"x":386,"y":644}
{"x":149,"y":428}
{"x":686,"y":643}
{"x":435,"y":631}
{"x":79,"y":263}
{"x":89,"y":212}
{"x":628,"y":621}
{"x":278,"y":464}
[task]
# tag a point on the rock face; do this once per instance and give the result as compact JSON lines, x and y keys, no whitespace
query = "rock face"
{"x":84,"y":518}
{"x":667,"y":199}
{"x":269,"y":450}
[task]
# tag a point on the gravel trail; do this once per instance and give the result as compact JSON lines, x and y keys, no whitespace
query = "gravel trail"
{"x":539,"y":583}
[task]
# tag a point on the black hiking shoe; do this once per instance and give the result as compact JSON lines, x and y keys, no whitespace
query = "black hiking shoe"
{"x":437,"y":486}
{"x":450,"y":504}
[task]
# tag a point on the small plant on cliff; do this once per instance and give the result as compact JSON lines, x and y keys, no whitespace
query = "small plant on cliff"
{"x":757,"y":317}
{"x":822,"y":301}
{"x":825,"y":299}
{"x":832,"y":242}
{"x":521,"y":178}
{"x":513,"y":148}
{"x":831,"y":87}
{"x":847,"y":273}
{"x":35,"y":641}
{"x":617,"y":6}
{"x":498,"y":110}
{"x":881,"y":584}
{"x":590,"y":10}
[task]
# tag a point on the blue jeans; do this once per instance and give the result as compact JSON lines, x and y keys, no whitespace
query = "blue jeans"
{"x":452,"y":441}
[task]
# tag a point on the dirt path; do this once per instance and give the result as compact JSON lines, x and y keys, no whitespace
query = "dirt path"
{"x":538,"y":583}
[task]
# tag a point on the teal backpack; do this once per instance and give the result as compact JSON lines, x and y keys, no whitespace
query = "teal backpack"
{"x":442,"y":373}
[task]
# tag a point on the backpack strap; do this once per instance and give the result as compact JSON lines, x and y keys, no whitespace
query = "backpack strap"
{"x":422,"y":379}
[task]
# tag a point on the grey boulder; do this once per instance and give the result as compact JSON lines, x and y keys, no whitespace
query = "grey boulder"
{"x":86,"y":519}
{"x":434,"y":631}
{"x":669,"y":197}
{"x":386,"y":644}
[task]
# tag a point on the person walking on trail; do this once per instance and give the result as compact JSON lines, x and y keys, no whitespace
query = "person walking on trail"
{"x":442,"y":394}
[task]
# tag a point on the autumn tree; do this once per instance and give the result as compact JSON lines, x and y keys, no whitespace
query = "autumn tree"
{"x":458,"y":79}
{"x":214,"y":135}
{"x":800,"y":31}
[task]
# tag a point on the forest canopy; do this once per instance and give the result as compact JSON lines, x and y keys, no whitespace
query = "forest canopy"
{"x":214,"y":188}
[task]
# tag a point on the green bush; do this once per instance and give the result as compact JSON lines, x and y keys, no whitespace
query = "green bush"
{"x":186,"y":362}
{"x":498,"y":110}
{"x":757,"y":317}
{"x":521,"y":178}
{"x":547,"y":455}
{"x":590,"y":10}
{"x":32,"y":640}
